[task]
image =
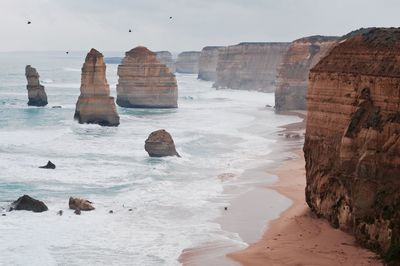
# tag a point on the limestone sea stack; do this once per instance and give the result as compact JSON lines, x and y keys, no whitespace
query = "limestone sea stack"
{"x":208,"y":63}
{"x":292,"y":79}
{"x":165,"y":58}
{"x":36,"y":94}
{"x":250,"y":66}
{"x":95,"y":106}
{"x":352,"y":141}
{"x":144,"y":82}
{"x":188,"y":62}
{"x":160,"y":144}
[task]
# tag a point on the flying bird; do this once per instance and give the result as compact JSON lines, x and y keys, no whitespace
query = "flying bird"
{"x":29,"y":22}
{"x":130,"y":30}
{"x":67,"y":52}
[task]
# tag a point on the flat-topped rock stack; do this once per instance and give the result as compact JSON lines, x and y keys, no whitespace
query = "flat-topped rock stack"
{"x":292,"y":79}
{"x":144,"y":82}
{"x":188,"y":62}
{"x":250,"y":66}
{"x":208,"y":62}
{"x":95,"y":106}
{"x":36,"y":94}
{"x":165,"y":58}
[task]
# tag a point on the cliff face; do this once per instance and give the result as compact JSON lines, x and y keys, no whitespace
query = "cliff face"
{"x":292,"y":79}
{"x":36,"y":94}
{"x":144,"y":82}
{"x":208,"y":63}
{"x":95,"y":106}
{"x":249,"y":66}
{"x":352,"y":142}
{"x":165,"y":58}
{"x":188,"y":62}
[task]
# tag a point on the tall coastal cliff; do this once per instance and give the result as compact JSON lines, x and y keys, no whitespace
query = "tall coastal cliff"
{"x":208,"y":62}
{"x":352,"y":142}
{"x":250,"y":66}
{"x":165,"y":58}
{"x":292,"y":79}
{"x":188,"y":62}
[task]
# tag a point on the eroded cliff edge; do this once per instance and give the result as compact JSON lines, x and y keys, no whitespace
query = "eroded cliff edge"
{"x":352,"y":142}
{"x":208,"y":62}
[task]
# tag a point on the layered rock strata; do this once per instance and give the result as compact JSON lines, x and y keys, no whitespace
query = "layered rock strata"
{"x":188,"y":62}
{"x":250,"y":66}
{"x":165,"y":58}
{"x":208,"y":63}
{"x":95,"y":106}
{"x":292,"y":79}
{"x":36,"y":94}
{"x":352,"y":142}
{"x":144,"y":82}
{"x":160,"y":144}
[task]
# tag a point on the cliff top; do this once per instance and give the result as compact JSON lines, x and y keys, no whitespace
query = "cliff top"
{"x":317,"y":38}
{"x":264,"y":43}
{"x":189,"y":53}
{"x":164,"y":52}
{"x":139,"y":51}
{"x":211,"y":48}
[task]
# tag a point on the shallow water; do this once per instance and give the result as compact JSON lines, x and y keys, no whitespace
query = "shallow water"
{"x":175,"y":201}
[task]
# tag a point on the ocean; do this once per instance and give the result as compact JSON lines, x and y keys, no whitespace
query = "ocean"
{"x":174,"y":201}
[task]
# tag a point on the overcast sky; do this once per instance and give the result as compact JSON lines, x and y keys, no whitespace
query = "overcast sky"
{"x":81,"y":24}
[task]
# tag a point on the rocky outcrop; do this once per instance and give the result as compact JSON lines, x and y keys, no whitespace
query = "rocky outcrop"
{"x":36,"y":93}
{"x":188,"y":62}
{"x":160,"y":144}
{"x":352,"y":142}
{"x":292,"y":79}
{"x":250,"y":66}
{"x":49,"y":165}
{"x":95,"y":106}
{"x":208,"y":63}
{"x":80,"y":204}
{"x":27,"y":203}
{"x":144,"y":82}
{"x":165,"y":58}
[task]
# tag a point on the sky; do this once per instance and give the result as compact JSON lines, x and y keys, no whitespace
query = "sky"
{"x":78,"y":25}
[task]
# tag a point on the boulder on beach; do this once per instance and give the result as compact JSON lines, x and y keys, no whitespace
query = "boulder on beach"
{"x":49,"y":165}
{"x":160,"y":144}
{"x":27,"y":203}
{"x":80,"y":204}
{"x":36,"y":93}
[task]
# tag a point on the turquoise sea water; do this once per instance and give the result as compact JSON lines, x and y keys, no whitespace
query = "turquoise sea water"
{"x":174,"y":200}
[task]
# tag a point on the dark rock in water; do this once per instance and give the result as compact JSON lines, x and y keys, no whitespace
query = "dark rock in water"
{"x":56,"y":106}
{"x":36,"y":93}
{"x":111,"y":211}
{"x":80,"y":204}
{"x":3,"y":214}
{"x":77,"y":212}
{"x":130,"y":210}
{"x":49,"y":165}
{"x":60,"y":212}
{"x":226,"y":208}
{"x":29,"y":204}
{"x":160,"y":144}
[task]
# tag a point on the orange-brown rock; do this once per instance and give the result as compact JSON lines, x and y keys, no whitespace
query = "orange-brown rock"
{"x":188,"y":62}
{"x":144,"y":82}
{"x":36,"y":94}
{"x":292,"y":79}
{"x":250,"y":66}
{"x":352,"y":142}
{"x":95,"y":106}
{"x":208,"y":63}
{"x":80,"y":204}
{"x":160,"y":144}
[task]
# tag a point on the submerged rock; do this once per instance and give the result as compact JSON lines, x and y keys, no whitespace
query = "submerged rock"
{"x":95,"y":106}
{"x":80,"y":204}
{"x":27,"y":203}
{"x":49,"y":165}
{"x":36,"y":94}
{"x":160,"y":144}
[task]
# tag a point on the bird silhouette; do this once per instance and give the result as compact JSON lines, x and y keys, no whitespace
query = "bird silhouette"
{"x":130,"y":30}
{"x":67,"y":52}
{"x":29,"y":22}
{"x":170,"y":17}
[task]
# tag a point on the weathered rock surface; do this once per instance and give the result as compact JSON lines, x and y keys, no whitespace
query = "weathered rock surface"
{"x":160,"y":144}
{"x":36,"y":94}
{"x":188,"y":62}
{"x":95,"y":106}
{"x":352,"y":142}
{"x":250,"y":66}
{"x":27,"y":203}
{"x":292,"y":79}
{"x":49,"y":165}
{"x":144,"y":82}
{"x":165,"y":58}
{"x":80,"y":204}
{"x":208,"y":62}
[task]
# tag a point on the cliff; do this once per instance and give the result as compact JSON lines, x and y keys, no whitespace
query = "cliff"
{"x":165,"y":58}
{"x":188,"y":62}
{"x":208,"y":63}
{"x":292,"y":79}
{"x":250,"y":66}
{"x":95,"y":106}
{"x":144,"y":82}
{"x":36,"y":94}
{"x":352,"y":142}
